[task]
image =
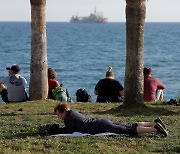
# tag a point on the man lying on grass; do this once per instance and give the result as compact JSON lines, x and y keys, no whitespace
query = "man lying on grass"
{"x":76,"y":122}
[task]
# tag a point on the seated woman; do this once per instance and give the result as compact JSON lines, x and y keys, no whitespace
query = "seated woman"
{"x":59,"y":93}
{"x":109,"y":89}
{"x":76,"y":122}
{"x":52,"y":82}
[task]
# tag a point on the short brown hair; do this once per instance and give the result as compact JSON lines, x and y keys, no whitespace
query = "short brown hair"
{"x":61,"y":107}
{"x":51,"y":73}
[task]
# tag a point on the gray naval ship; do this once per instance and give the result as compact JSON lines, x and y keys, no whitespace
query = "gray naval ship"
{"x":96,"y":17}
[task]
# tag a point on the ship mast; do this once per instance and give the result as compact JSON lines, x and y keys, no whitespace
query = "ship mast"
{"x":95,"y":10}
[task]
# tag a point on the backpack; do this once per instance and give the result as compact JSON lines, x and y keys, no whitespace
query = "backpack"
{"x":59,"y":94}
{"x":49,"y":129}
{"x":82,"y":96}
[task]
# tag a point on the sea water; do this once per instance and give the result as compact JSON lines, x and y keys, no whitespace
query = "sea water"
{"x":81,"y":53}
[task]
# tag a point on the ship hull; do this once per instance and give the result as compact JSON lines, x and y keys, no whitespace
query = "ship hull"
{"x":96,"y":17}
{"x":89,"y":22}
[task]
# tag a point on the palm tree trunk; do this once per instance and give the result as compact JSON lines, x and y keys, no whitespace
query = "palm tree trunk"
{"x":134,"y":80}
{"x":38,"y":74}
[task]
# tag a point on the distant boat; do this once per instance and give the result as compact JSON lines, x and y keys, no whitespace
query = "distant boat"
{"x":96,"y":17}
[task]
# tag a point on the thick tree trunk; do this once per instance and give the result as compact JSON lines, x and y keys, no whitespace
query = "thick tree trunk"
{"x":38,"y":74}
{"x":134,"y":80}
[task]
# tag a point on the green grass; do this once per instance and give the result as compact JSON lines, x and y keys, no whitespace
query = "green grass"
{"x":18,"y":129}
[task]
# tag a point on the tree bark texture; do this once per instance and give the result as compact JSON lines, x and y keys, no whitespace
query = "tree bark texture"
{"x":134,"y":80}
{"x":38,"y":71}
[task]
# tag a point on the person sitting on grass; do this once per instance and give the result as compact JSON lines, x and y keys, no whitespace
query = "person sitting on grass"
{"x":13,"y":87}
{"x":153,"y":88}
{"x":56,"y":90}
{"x":76,"y":122}
{"x":109,"y":89}
{"x":52,"y":82}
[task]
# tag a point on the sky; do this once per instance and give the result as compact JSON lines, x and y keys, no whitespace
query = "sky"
{"x":114,"y":10}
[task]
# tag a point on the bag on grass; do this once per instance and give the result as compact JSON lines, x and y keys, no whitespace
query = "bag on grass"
{"x":82,"y":96}
{"x":49,"y":129}
{"x":173,"y":102}
{"x":59,"y":94}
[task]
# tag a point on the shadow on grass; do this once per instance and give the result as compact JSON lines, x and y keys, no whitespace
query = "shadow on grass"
{"x":172,"y":150}
{"x":10,"y":114}
{"x":46,"y":113}
{"x":36,"y":134}
{"x":175,"y":149}
{"x":17,"y":114}
{"x":21,"y":135}
{"x":145,"y":111}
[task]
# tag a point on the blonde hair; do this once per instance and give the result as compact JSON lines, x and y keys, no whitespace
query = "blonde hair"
{"x":109,"y":72}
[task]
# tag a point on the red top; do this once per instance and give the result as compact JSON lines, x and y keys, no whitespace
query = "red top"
{"x":53,"y":83}
{"x":151,"y":85}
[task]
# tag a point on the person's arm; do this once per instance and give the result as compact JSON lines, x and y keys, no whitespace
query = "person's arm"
{"x":97,"y":87}
{"x":60,"y":131}
{"x":2,"y":86}
{"x":3,"y":81}
{"x":160,"y":85}
{"x":121,"y":89}
{"x":57,"y":84}
{"x":95,"y":91}
{"x":121,"y":93}
{"x":69,"y":124}
{"x":65,"y":130}
{"x":24,"y":82}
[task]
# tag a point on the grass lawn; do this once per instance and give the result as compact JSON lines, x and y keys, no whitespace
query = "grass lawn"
{"x":19,"y":122}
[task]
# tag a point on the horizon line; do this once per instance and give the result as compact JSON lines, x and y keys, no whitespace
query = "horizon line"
{"x":106,"y":23}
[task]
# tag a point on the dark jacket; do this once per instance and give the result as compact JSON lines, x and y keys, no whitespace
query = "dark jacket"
{"x":76,"y":122}
{"x":108,"y":90}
